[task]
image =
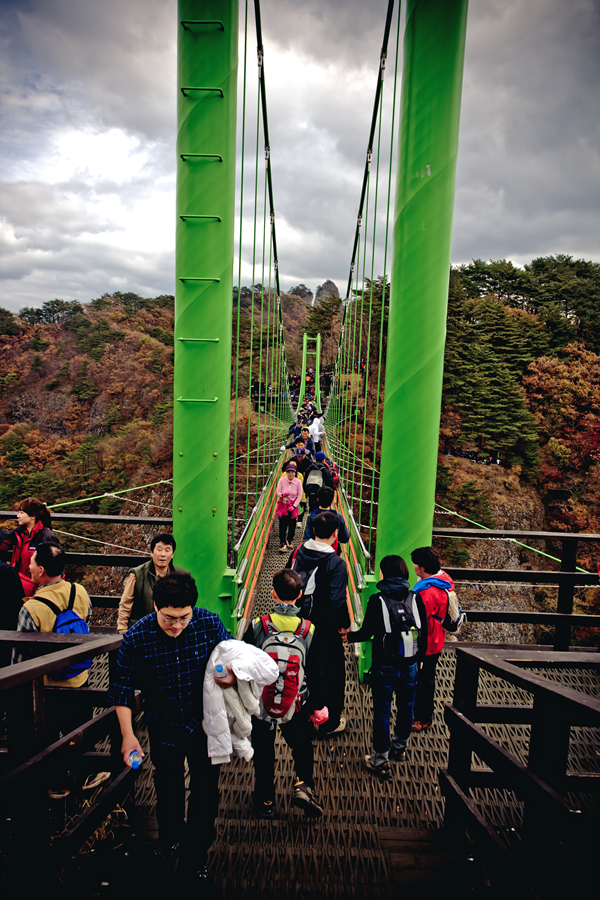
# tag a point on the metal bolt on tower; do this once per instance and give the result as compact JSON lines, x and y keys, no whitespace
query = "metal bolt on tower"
{"x":207,"y":60}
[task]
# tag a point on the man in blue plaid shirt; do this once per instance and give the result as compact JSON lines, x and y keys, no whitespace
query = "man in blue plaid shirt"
{"x":165,"y":655}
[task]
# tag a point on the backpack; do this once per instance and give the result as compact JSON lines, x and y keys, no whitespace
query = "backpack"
{"x":288,"y":649}
{"x":309,"y":584}
{"x":334,"y":471}
{"x":68,"y":622}
{"x":314,"y":480}
{"x":402,"y":624}
{"x":455,"y":618}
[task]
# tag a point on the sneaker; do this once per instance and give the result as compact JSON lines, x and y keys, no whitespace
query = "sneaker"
{"x":283,"y":548}
{"x":93,"y":781}
{"x":425,"y":726}
{"x":417,"y":726}
{"x":383,"y":771}
{"x":304,"y":798}
{"x":341,"y":727}
{"x":398,"y":755}
{"x":262,"y":808}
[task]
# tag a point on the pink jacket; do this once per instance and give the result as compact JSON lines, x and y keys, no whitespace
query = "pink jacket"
{"x":289,"y":494}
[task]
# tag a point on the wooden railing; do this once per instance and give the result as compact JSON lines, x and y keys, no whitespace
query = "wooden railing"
{"x":567,"y":578}
{"x":557,"y":839}
{"x":34,"y":759}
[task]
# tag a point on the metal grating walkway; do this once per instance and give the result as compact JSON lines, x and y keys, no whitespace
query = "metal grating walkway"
{"x":344,"y":853}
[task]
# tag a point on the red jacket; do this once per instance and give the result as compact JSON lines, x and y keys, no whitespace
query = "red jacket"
{"x":436,"y":603}
{"x":23,"y":544}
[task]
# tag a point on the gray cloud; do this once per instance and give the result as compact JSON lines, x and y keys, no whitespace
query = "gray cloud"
{"x":528,"y":170}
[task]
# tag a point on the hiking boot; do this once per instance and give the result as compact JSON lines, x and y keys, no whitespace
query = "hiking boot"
{"x":303,"y":798}
{"x":262,"y":808}
{"x":383,"y":771}
{"x":398,"y":755}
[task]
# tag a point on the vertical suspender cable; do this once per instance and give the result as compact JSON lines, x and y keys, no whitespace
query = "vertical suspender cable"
{"x":239,"y":294}
{"x":384,"y":289}
{"x":251,"y":361}
{"x":368,"y":341}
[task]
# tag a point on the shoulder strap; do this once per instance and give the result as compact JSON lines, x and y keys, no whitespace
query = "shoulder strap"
{"x":71,"y":597}
{"x":295,"y":553}
{"x":415,"y":608}
{"x":268,"y":625}
{"x":386,"y":616}
{"x":51,"y":606}
{"x":440,"y":619}
{"x":303,"y":628}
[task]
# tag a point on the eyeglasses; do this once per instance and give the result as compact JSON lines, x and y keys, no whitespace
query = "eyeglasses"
{"x":176,"y":620}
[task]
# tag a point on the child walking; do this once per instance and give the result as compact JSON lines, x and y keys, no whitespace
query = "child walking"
{"x":397,"y":621}
{"x":286,"y":637}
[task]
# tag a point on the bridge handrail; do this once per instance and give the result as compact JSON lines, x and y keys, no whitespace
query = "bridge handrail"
{"x":77,"y":648}
{"x":259,"y":506}
{"x":566,"y":578}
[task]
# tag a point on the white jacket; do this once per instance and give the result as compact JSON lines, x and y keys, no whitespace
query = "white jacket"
{"x":227,"y":711}
{"x":316,"y":430}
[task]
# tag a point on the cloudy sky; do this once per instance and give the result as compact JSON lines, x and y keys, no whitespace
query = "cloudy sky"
{"x":87,"y":138}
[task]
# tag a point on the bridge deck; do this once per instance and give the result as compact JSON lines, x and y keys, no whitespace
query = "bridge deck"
{"x":357,"y":849}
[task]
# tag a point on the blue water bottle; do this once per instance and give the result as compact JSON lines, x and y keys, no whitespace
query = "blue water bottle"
{"x":134,"y":759}
{"x":220,"y":671}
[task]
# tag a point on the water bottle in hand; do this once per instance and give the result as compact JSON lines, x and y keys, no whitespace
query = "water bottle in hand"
{"x":220,"y":671}
{"x":134,"y":759}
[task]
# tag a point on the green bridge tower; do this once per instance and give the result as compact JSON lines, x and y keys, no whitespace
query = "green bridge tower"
{"x":207,"y":62}
{"x":434,"y":46}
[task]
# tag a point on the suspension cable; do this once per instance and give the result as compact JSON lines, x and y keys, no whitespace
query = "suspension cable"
{"x":239,"y":293}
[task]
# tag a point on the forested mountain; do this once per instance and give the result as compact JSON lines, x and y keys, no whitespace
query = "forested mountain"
{"x":85,"y":397}
{"x":86,"y":389}
{"x":522,"y":377}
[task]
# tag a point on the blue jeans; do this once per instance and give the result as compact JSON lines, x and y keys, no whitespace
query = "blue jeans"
{"x":385,"y":681}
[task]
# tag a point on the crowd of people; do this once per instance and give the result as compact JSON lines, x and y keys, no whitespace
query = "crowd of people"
{"x":207,"y":697}
{"x":312,"y":391}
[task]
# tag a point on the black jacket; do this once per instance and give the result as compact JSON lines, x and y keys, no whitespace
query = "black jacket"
{"x":330,"y":607}
{"x":11,"y":597}
{"x":373,"y":625}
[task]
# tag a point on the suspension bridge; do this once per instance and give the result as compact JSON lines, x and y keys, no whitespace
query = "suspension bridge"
{"x":511,"y":763}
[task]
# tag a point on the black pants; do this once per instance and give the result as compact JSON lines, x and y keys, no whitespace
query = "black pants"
{"x":326,"y":674}
{"x":203,"y":804}
{"x":423,"y":711}
{"x":297,"y":735}
{"x":287,"y":528}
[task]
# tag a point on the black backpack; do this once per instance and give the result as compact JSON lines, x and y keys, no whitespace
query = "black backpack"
{"x":308,"y":577}
{"x":68,"y":622}
{"x":402,"y":624}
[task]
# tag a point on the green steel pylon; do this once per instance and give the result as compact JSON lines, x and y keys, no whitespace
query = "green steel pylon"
{"x":207,"y":61}
{"x":434,"y":43}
